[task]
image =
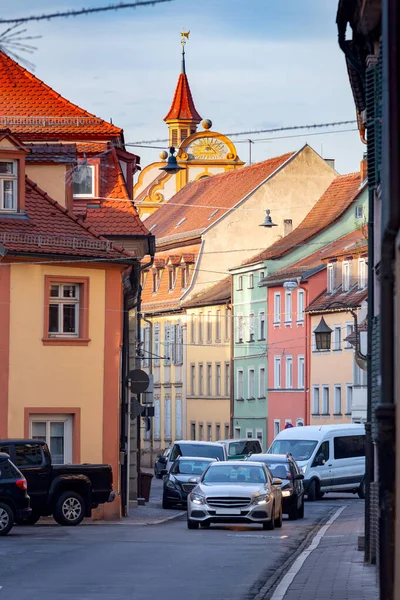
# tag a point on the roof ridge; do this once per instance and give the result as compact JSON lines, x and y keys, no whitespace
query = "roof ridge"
{"x":72,"y":217}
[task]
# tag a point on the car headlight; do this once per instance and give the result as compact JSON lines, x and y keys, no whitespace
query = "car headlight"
{"x":170,"y":484}
{"x":262,"y":499}
{"x":197,"y":498}
{"x":286,"y":493}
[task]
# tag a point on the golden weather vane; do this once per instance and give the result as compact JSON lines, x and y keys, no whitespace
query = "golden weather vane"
{"x":184,"y":37}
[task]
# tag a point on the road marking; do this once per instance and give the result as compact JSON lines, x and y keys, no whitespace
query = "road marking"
{"x":282,"y":588}
{"x":257,"y":535}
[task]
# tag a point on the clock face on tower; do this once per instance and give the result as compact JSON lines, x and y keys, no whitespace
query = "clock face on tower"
{"x":208,"y":148}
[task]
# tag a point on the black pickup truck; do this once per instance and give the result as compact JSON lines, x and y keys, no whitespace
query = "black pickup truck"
{"x":68,"y":492}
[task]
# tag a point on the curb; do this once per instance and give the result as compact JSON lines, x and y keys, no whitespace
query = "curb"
{"x":159,"y":522}
{"x":263,"y":589}
{"x":122,"y":521}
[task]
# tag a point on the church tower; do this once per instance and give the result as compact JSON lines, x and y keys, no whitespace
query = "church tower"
{"x":182,"y":118}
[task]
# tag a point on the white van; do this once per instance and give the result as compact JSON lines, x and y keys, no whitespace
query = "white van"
{"x":332,"y":457}
{"x":193,"y":448}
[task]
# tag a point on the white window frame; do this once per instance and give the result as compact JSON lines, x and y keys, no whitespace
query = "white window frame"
{"x":13,"y":178}
{"x":48,"y":419}
{"x":277,"y":427}
{"x":337,"y":399}
{"x":260,"y":437}
{"x":239,"y":339}
{"x":261,"y":276}
{"x":157,"y":420}
{"x":349,"y":331}
{"x":346,"y":274}
{"x":337,"y":338}
{"x":60,"y":301}
{"x":359,"y":211}
{"x":251,"y":281}
{"x":249,"y":433}
{"x":227,"y":379}
{"x":288,"y":307}
{"x":236,"y":433}
{"x":240,"y":384}
{"x":331,"y":275}
{"x":167,"y":418}
{"x":76,"y":170}
{"x":251,"y":383}
{"x":325,"y":400}
{"x":193,"y":379}
{"x":209,"y":380}
{"x":277,"y":308}
{"x":193,"y":328}
{"x":289,"y":372}
{"x":261,"y":325}
{"x":277,"y":372}
{"x":218,"y":379}
{"x":201,"y":379}
{"x":300,"y":372}
{"x":240,"y":283}
{"x":178,"y":418}
{"x":251,"y":328}
{"x":362,"y":273}
{"x":300,"y":306}
{"x":261,"y":382}
{"x":349,"y":398}
{"x":316,"y":400}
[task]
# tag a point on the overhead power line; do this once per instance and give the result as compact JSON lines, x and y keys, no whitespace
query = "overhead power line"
{"x":257,"y":131}
{"x":84,"y":11}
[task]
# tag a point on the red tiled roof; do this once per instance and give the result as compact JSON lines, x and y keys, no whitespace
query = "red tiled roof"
{"x":33,"y":110}
{"x":220,"y":293}
{"x":325,"y":302}
{"x":50,"y":229}
{"x":182,"y":106}
{"x":163,"y":298}
{"x":197,"y":201}
{"x":332,"y":204}
{"x":52,"y":153}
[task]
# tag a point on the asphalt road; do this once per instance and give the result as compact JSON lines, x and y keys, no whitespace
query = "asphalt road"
{"x":157,"y":562}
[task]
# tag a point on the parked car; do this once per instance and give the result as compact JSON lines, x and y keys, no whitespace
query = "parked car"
{"x":331,"y":457}
{"x":183,"y":476}
{"x":14,"y":499}
{"x":240,"y":449}
{"x":193,"y":448}
{"x":161,"y":463}
{"x":236,"y":492}
{"x":68,"y":492}
{"x":285,"y":468}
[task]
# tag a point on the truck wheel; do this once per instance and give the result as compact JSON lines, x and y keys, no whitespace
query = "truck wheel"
{"x":69,"y":509}
{"x":31,"y":520}
{"x":312,"y":491}
{"x":6,"y":518}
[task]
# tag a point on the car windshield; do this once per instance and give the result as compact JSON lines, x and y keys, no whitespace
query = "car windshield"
{"x":237,"y":448}
{"x":189,"y":467}
{"x":235,"y":474}
{"x":280,"y":470}
{"x":202,"y":450}
{"x":299,"y":449}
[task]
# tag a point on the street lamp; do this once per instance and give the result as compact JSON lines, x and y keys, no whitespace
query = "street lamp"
{"x":323,"y":332}
{"x":268,"y":221}
{"x":172,"y":166}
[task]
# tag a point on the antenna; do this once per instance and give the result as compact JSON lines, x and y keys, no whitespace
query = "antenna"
{"x":12,"y":41}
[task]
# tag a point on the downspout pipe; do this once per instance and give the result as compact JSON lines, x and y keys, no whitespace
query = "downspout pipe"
{"x":386,"y":411}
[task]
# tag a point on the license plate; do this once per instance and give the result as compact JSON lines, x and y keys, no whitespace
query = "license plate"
{"x":228,"y":511}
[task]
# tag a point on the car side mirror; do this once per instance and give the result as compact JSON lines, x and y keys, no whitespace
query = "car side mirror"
{"x":299,"y":476}
{"x":194,"y":480}
{"x":164,"y":472}
{"x":277,"y":481}
{"x":162,"y":460}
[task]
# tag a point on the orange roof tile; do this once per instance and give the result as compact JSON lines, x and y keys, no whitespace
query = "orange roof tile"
{"x":164,"y":298}
{"x":182,"y":106}
{"x":50,"y":229}
{"x":33,"y":110}
{"x":325,"y":302}
{"x":332,"y":204}
{"x":197,"y":201}
{"x":220,"y":293}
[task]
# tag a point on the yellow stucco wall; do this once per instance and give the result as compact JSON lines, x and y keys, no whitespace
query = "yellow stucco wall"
{"x":204,"y":409}
{"x":330,"y":368}
{"x":50,"y":178}
{"x":56,"y":376}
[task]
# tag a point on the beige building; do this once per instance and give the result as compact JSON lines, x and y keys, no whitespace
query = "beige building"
{"x":208,"y":364}
{"x":338,"y":383}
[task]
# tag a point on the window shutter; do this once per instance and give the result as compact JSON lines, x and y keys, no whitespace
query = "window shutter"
{"x":167,"y":345}
{"x":374,"y":121}
{"x":156,"y":346}
{"x":167,"y":424}
{"x":178,"y":418}
{"x":156,"y":419}
{"x":173,"y":344}
{"x":179,"y":348}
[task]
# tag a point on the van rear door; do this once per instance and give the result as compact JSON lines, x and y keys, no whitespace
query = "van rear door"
{"x":348,"y":464}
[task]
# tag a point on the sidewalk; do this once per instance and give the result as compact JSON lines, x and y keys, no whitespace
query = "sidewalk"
{"x":152,"y":512}
{"x":332,"y":567}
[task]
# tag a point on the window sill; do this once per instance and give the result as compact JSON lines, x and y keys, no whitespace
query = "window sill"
{"x":251,"y":399}
{"x":60,"y":341}
{"x":262,"y":398}
{"x":315,"y":414}
{"x":326,"y":414}
{"x":261,"y":339}
{"x":300,"y":322}
{"x":338,"y":414}
{"x":337,"y":350}
{"x":277,"y":323}
{"x":288,"y":323}
{"x":239,"y":400}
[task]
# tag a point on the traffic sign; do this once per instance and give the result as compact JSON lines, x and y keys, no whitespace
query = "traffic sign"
{"x":139,"y":381}
{"x":136,"y":408}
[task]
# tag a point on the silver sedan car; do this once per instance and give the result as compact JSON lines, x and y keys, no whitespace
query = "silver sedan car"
{"x":236,"y":492}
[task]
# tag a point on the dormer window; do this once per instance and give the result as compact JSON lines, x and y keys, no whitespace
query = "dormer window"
{"x":346,"y":276}
{"x":155,"y":280}
{"x":331,"y":285}
{"x":83,"y":181}
{"x":171,"y":279}
{"x":8,"y":185}
{"x":184,"y":276}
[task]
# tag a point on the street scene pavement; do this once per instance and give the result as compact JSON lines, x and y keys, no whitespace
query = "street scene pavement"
{"x":133,"y":559}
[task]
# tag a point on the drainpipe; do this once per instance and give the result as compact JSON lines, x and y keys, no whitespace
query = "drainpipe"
{"x":386,"y":411}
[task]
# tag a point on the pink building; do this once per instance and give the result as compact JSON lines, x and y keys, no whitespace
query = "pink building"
{"x":289,"y":293}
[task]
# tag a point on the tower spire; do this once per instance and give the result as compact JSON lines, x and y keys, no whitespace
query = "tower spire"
{"x":182,"y":117}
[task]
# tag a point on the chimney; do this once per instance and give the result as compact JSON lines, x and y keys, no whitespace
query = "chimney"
{"x":364,"y":167}
{"x":330,"y":162}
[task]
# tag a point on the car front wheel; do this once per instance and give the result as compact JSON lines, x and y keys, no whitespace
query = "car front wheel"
{"x":6,"y":518}
{"x":278,"y":520}
{"x":301,"y":510}
{"x":69,"y":509}
{"x":270,"y":525}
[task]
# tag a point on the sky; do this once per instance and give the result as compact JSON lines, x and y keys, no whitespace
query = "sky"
{"x":251,"y":64}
